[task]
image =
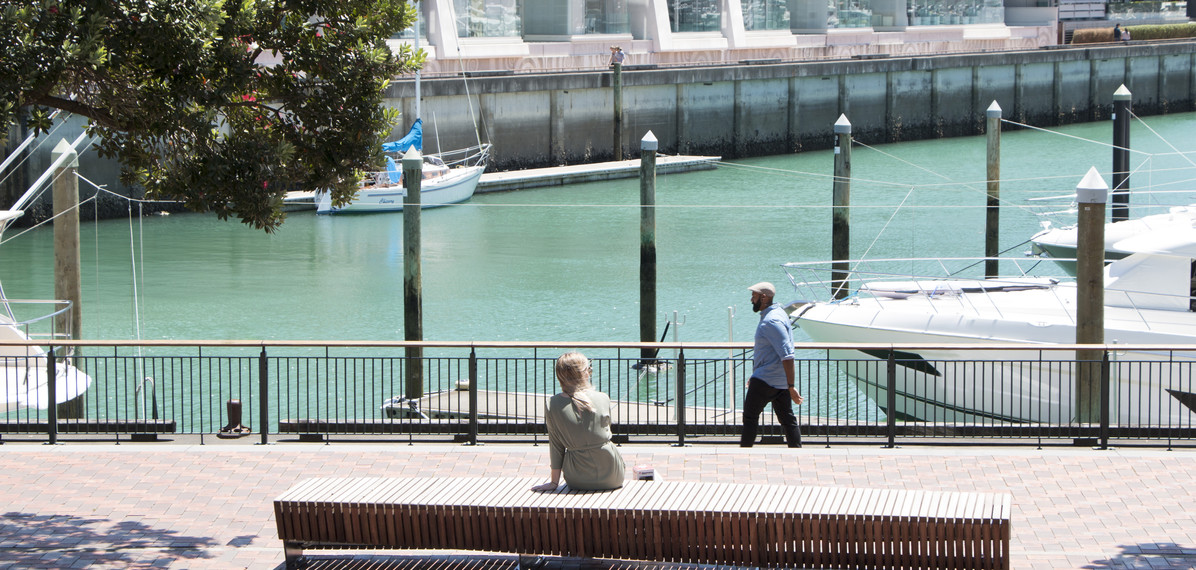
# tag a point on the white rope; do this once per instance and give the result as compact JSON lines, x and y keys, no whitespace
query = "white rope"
{"x":1104,"y":144}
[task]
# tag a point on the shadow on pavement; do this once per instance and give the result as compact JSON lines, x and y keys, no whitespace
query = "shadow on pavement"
{"x":1153,"y":555}
{"x":30,"y":539}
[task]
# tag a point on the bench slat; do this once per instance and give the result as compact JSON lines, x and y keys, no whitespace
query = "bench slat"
{"x":759,"y":525}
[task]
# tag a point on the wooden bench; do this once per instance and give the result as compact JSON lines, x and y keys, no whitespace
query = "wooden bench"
{"x":666,"y":521}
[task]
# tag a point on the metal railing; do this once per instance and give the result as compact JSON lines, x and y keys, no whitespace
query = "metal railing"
{"x":471,"y":391}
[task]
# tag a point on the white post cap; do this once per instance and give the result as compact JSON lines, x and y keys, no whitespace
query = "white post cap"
{"x":65,"y":148}
{"x":649,"y":142}
{"x":413,"y":159}
{"x":842,"y":125}
{"x":1092,"y":189}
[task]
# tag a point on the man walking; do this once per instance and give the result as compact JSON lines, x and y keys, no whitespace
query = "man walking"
{"x":772,"y":369}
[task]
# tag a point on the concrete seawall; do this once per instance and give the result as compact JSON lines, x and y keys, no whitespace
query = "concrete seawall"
{"x":755,"y":110}
{"x":543,"y":120}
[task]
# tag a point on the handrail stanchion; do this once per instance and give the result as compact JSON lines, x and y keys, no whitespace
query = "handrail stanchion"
{"x":1104,"y":400}
{"x":891,"y":400}
{"x":51,"y":398}
{"x":263,"y":406}
{"x":680,"y":397}
{"x":473,"y":396}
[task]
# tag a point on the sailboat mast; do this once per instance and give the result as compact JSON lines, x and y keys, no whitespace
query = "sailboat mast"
{"x":418,"y":9}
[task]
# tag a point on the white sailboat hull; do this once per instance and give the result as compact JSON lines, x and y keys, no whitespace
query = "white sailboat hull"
{"x":455,"y":186}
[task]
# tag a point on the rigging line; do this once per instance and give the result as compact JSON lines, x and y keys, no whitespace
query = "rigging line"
{"x":133,"y":267}
{"x":886,"y":226}
{"x":970,"y":186}
{"x":708,"y":206}
{"x":45,"y":221}
{"x":1160,"y":137}
{"x":1104,"y":144}
{"x":41,"y":141}
{"x":999,"y":254}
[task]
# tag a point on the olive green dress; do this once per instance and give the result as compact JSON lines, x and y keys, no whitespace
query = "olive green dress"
{"x":580,"y":445}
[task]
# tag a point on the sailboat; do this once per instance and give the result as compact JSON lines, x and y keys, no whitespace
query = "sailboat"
{"x":448,"y":178}
{"x":24,"y":368}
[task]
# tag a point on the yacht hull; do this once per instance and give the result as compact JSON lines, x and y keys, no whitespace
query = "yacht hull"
{"x":1009,"y":384}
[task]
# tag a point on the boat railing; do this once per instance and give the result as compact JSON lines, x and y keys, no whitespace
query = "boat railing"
{"x":688,"y":392}
{"x":477,"y":155}
{"x":818,"y":280}
{"x":31,"y":318}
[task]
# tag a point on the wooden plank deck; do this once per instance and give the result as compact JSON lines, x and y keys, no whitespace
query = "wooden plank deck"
{"x":688,"y":522}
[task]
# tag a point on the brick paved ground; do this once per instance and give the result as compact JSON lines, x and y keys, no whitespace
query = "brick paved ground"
{"x":164,"y":505}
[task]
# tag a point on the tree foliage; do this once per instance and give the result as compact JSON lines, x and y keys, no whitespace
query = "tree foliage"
{"x":221,"y":104}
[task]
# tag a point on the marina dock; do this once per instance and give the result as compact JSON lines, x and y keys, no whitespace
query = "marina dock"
{"x":552,"y":176}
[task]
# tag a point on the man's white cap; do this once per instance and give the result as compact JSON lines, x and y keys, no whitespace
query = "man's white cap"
{"x":764,"y":288}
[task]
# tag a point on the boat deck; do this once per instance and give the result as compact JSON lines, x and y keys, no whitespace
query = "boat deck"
{"x":552,"y":176}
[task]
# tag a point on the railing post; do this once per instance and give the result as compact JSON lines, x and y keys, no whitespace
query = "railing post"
{"x":1104,"y":401}
{"x":263,"y":397}
{"x":52,"y":398}
{"x":680,"y":397}
{"x":891,"y":400}
{"x":473,"y":396}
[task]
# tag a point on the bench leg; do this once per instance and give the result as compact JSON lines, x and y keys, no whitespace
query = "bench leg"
{"x":293,"y":551}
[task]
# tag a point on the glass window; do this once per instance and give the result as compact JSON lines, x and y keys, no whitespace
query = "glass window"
{"x":695,"y":15}
{"x":850,"y":14}
{"x":607,"y":17}
{"x":488,"y":18}
{"x":409,"y":33}
{"x":955,"y":12}
{"x":765,"y":15}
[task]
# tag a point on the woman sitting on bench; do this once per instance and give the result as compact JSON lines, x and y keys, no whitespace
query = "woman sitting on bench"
{"x":578,"y":421}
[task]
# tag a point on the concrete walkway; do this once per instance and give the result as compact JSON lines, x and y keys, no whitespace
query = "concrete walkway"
{"x":168,"y":505}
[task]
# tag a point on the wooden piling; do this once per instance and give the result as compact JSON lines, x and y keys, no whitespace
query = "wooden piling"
{"x":992,"y":222}
{"x":841,"y":210}
{"x":67,"y":282}
{"x":617,"y":83}
{"x":413,"y":323}
{"x":1091,"y":195}
{"x":648,"y":148}
{"x":1122,"y":112}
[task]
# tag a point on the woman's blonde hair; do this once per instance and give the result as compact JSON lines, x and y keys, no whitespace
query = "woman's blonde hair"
{"x":573,"y":374}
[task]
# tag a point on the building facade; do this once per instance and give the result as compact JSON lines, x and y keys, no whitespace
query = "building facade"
{"x":565,"y":35}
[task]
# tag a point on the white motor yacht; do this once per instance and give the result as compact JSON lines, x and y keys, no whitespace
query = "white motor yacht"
{"x":1147,"y":302}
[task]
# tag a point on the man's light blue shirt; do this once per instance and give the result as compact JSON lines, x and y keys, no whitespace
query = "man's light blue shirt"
{"x":774,"y":344}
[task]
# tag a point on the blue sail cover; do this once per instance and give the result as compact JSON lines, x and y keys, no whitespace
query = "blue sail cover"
{"x":414,"y":138}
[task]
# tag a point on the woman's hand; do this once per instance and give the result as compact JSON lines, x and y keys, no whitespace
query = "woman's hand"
{"x":549,"y":486}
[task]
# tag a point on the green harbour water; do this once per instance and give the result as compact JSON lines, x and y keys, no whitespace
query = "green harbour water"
{"x":562,"y":264}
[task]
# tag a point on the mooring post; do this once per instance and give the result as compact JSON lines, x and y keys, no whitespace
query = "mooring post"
{"x":51,"y":397}
{"x":647,"y":244}
{"x":1121,"y":153}
{"x":841,"y":211}
{"x":413,"y":322}
{"x":617,"y":84}
{"x":1091,"y":195}
{"x":992,"y":222}
{"x":67,"y":283}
